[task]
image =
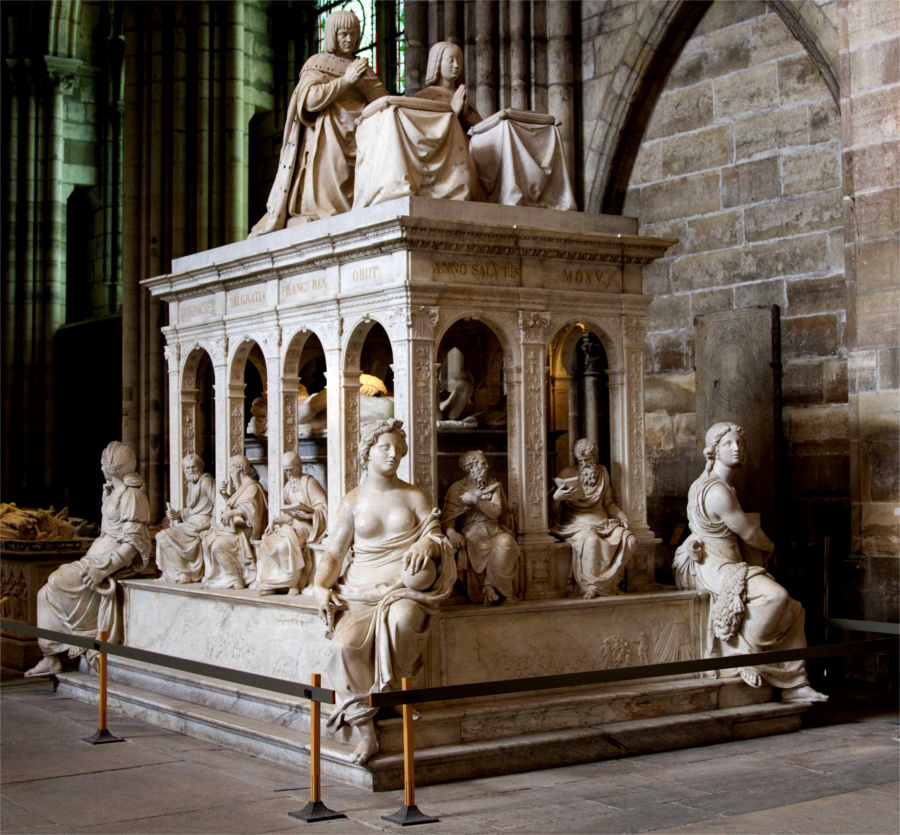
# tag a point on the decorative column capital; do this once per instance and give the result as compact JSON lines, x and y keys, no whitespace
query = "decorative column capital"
{"x":533,"y":325}
{"x":62,"y":73}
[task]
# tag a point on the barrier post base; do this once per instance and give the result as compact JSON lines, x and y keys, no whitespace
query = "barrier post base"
{"x":409,"y":816}
{"x":102,"y":737}
{"x":316,"y":810}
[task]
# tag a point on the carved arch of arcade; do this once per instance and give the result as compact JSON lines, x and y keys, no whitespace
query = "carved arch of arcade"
{"x":605,"y":329}
{"x":503,"y":324}
{"x":193,"y":363}
{"x":242,"y":353}
{"x":355,"y":337}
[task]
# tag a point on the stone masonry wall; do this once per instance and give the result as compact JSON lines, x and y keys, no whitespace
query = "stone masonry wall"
{"x":741,"y":163}
{"x":869,"y":37}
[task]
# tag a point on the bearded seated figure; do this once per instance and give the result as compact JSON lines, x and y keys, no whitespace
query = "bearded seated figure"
{"x":228,"y":558}
{"x":590,"y":521}
{"x":477,"y":521}
{"x":726,"y":555}
{"x":377,"y":612}
{"x":179,"y":553}
{"x":283,"y":560}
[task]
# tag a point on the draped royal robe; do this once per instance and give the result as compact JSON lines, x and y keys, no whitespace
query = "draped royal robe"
{"x":283,"y":560}
{"x":178,"y":548}
{"x":751,"y":611}
{"x":66,"y":603}
{"x":373,"y":649}
{"x":491,"y":554}
{"x":601,"y":545}
{"x":316,"y":175}
{"x":228,"y":559}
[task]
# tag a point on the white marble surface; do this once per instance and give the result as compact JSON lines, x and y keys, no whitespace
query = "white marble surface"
{"x":283,"y":636}
{"x":412,"y":207}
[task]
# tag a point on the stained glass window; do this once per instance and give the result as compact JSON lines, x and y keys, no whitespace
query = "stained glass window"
{"x":381,"y":36}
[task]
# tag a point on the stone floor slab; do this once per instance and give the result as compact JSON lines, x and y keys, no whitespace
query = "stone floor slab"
{"x":14,"y":816}
{"x":46,"y":758}
{"x":867,"y":812}
{"x":20,"y":722}
{"x":253,"y":818}
{"x":251,"y":769}
{"x":85,"y":800}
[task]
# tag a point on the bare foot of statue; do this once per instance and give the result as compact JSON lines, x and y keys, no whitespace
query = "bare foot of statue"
{"x":751,"y":677}
{"x":803,"y":693}
{"x":266,"y":592}
{"x":590,"y":594}
{"x":490,"y":595}
{"x":293,"y":592}
{"x":47,"y":666}
{"x":368,"y":746}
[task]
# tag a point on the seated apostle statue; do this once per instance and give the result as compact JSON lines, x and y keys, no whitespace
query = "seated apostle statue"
{"x":377,"y":612}
{"x":597,"y":530}
{"x":726,"y":555}
{"x":283,"y":560}
{"x":179,"y":554}
{"x":477,"y":521}
{"x":316,"y":174}
{"x":228,"y":559}
{"x":81,"y":597}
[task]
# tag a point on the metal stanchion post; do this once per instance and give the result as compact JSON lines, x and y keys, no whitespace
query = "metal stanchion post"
{"x":103,"y":735}
{"x":315,"y":810}
{"x":408,"y":814}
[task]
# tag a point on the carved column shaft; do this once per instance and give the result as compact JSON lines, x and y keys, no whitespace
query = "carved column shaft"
{"x":343,"y":427}
{"x":176,"y":423}
{"x":518,"y":49}
{"x":633,"y":490}
{"x":420,"y":428}
{"x":561,"y":93}
{"x":335,"y":443}
{"x":222,"y":410}
{"x":416,"y":36}
{"x":274,"y":438}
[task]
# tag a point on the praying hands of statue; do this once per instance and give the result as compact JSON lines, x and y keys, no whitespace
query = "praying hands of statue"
{"x":458,"y":101}
{"x":356,"y":70}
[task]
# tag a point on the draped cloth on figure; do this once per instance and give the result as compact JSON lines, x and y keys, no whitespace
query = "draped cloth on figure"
{"x":490,"y":555}
{"x":410,"y":147}
{"x":178,"y":549}
{"x":751,"y":612}
{"x":601,"y":545}
{"x":228,"y":560}
{"x":283,"y":560}
{"x":315,"y":176}
{"x":67,"y":603}
{"x":374,"y":647}
{"x":520,"y":161}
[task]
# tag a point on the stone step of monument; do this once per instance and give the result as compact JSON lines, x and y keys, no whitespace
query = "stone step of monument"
{"x":453,"y":740}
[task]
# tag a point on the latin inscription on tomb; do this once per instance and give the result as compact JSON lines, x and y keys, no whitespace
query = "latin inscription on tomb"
{"x":247,"y":298}
{"x":302,"y":289}
{"x":197,"y":310}
{"x":442,"y":270}
{"x":595,"y":279}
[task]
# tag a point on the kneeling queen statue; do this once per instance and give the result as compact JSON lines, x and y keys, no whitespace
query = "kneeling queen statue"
{"x":377,"y":612}
{"x":726,"y":555}
{"x":82,"y":597}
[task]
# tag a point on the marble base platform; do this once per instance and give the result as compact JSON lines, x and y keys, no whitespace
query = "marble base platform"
{"x":283,"y":637}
